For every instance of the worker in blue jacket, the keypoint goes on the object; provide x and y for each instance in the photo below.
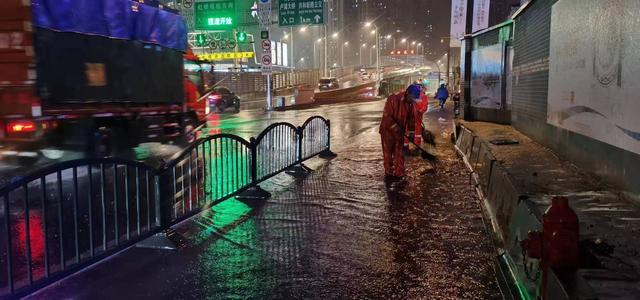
(442, 94)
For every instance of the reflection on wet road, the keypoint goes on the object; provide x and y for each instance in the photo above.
(341, 233)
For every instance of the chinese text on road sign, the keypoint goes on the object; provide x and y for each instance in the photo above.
(215, 15)
(301, 12)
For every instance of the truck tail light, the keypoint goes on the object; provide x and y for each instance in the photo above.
(21, 127)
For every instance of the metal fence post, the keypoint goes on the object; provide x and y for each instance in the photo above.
(327, 153)
(300, 132)
(255, 192)
(299, 170)
(165, 194)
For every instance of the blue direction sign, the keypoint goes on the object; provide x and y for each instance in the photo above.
(301, 12)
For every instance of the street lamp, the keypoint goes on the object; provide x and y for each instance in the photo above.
(448, 58)
(335, 36)
(370, 54)
(314, 52)
(388, 37)
(406, 53)
(342, 53)
(293, 62)
(377, 46)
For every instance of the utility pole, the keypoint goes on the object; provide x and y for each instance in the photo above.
(293, 62)
(377, 54)
(448, 63)
(325, 50)
(466, 72)
(342, 55)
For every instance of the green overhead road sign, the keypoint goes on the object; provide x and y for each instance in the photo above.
(301, 12)
(215, 15)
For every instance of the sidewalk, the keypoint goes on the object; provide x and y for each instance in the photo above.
(609, 219)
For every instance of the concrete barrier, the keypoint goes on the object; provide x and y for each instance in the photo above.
(510, 214)
(344, 93)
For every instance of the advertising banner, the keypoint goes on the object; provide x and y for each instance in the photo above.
(486, 77)
(593, 70)
(481, 14)
(458, 21)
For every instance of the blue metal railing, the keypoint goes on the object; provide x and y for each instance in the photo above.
(67, 216)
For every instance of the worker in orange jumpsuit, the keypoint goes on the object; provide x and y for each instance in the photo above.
(399, 115)
(421, 105)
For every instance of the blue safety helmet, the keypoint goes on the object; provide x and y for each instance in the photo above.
(414, 91)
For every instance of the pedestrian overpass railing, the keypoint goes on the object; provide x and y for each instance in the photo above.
(66, 216)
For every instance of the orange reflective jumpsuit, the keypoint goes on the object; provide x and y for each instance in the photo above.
(421, 108)
(398, 115)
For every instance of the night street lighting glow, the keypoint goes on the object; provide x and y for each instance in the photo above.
(368, 24)
(334, 35)
(364, 45)
(388, 36)
(404, 40)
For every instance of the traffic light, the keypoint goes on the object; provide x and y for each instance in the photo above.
(241, 36)
(201, 40)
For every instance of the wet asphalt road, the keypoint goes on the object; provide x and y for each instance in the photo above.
(341, 233)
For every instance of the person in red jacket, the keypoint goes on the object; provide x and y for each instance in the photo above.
(399, 116)
(421, 105)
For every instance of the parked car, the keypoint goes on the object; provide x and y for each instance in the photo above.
(329, 83)
(221, 99)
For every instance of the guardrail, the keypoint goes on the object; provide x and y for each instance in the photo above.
(62, 218)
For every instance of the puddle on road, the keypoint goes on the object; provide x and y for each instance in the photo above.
(341, 233)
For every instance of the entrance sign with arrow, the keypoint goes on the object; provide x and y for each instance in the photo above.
(301, 12)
